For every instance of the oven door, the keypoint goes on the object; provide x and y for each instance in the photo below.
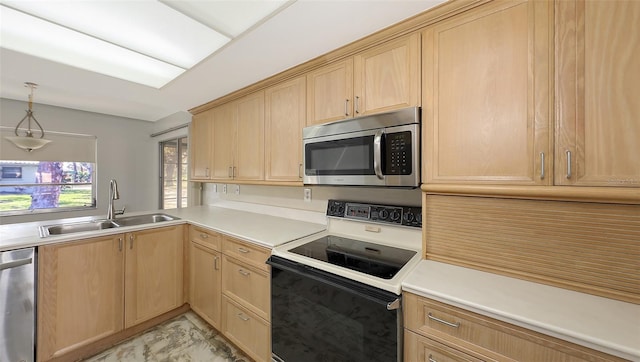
(319, 316)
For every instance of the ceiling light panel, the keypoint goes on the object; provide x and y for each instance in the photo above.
(148, 27)
(27, 34)
(231, 17)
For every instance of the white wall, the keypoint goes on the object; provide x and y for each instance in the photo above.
(293, 197)
(125, 153)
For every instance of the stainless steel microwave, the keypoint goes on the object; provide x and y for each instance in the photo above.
(376, 150)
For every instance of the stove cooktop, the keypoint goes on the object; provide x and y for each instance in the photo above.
(373, 259)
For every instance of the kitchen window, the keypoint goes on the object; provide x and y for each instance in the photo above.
(173, 173)
(58, 177)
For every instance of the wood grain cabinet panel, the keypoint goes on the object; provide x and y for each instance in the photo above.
(224, 141)
(285, 111)
(200, 150)
(154, 273)
(418, 348)
(487, 338)
(597, 93)
(246, 330)
(247, 285)
(486, 80)
(387, 76)
(205, 283)
(80, 294)
(249, 148)
(330, 93)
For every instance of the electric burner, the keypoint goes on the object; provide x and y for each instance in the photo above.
(378, 260)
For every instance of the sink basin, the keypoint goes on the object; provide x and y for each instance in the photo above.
(143, 219)
(76, 227)
(95, 225)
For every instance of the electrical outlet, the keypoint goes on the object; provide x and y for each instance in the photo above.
(224, 188)
(237, 190)
(307, 195)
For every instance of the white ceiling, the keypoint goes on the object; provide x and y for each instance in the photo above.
(299, 32)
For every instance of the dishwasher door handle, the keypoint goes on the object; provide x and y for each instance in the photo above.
(15, 263)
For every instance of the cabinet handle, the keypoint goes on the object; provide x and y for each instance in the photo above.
(356, 104)
(243, 250)
(229, 172)
(206, 172)
(431, 359)
(233, 173)
(204, 236)
(568, 164)
(245, 273)
(131, 237)
(215, 263)
(346, 107)
(119, 244)
(241, 316)
(454, 325)
(542, 165)
(300, 170)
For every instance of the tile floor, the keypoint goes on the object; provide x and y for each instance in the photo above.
(185, 338)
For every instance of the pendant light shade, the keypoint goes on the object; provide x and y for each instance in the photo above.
(27, 141)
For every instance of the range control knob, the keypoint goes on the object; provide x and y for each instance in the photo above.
(409, 216)
(384, 214)
(395, 215)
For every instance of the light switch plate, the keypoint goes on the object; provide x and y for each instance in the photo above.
(237, 190)
(307, 195)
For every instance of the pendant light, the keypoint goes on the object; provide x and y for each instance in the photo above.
(27, 141)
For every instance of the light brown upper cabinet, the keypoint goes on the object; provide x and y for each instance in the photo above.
(379, 79)
(238, 139)
(486, 105)
(597, 93)
(284, 119)
(200, 145)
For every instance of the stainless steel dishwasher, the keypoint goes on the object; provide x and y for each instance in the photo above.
(17, 305)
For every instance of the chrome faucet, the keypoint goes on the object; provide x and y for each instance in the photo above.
(113, 195)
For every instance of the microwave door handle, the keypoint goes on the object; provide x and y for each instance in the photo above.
(377, 154)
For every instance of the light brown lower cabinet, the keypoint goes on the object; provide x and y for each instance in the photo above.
(453, 334)
(95, 288)
(205, 283)
(246, 330)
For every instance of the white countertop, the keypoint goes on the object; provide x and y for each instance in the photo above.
(260, 228)
(599, 323)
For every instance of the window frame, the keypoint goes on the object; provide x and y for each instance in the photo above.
(179, 189)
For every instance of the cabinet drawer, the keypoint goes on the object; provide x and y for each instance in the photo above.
(421, 349)
(205, 237)
(246, 252)
(490, 338)
(248, 331)
(247, 285)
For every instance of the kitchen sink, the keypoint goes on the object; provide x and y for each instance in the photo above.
(143, 219)
(76, 227)
(94, 225)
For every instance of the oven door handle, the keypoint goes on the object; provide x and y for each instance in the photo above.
(388, 300)
(377, 153)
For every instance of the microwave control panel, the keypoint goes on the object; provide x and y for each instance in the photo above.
(397, 153)
(385, 214)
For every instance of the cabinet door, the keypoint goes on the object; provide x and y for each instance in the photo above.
(205, 283)
(284, 120)
(330, 93)
(153, 273)
(224, 131)
(249, 155)
(387, 77)
(486, 96)
(80, 294)
(200, 146)
(598, 93)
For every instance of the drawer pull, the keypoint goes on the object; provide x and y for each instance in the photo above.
(204, 236)
(454, 325)
(243, 250)
(431, 359)
(215, 263)
(241, 316)
(245, 273)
